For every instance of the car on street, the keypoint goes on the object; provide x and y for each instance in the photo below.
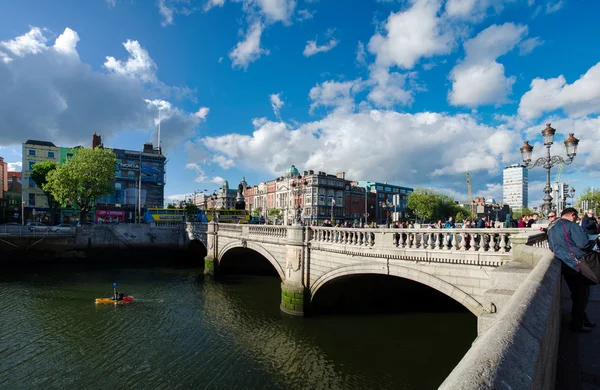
(11, 224)
(37, 227)
(61, 228)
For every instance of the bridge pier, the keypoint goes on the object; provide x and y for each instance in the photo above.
(293, 291)
(211, 261)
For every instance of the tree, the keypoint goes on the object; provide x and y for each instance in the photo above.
(588, 200)
(171, 206)
(40, 174)
(276, 213)
(423, 203)
(519, 213)
(191, 210)
(255, 212)
(87, 176)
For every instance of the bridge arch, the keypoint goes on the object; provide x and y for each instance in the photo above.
(257, 248)
(197, 248)
(402, 272)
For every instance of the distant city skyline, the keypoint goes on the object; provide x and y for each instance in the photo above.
(415, 93)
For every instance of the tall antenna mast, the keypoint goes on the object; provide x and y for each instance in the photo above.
(159, 150)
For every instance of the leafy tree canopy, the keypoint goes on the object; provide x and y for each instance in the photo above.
(429, 205)
(40, 174)
(589, 199)
(87, 176)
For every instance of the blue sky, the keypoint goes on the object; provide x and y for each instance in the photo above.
(414, 92)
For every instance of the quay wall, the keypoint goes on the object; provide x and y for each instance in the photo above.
(519, 350)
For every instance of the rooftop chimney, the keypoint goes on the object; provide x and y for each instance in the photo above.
(97, 141)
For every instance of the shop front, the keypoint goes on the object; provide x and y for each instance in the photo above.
(109, 216)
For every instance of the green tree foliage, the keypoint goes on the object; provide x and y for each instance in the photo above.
(40, 174)
(191, 210)
(423, 203)
(87, 176)
(429, 205)
(171, 206)
(255, 212)
(589, 200)
(275, 213)
(517, 214)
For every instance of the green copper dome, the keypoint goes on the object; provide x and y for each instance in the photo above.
(292, 170)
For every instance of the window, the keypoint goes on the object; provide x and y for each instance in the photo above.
(50, 154)
(69, 156)
(32, 199)
(31, 164)
(31, 152)
(32, 183)
(118, 186)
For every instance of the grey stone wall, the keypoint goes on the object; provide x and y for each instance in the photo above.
(519, 350)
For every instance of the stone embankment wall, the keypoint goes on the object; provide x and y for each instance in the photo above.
(519, 349)
(129, 236)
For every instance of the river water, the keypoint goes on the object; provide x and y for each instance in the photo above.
(187, 331)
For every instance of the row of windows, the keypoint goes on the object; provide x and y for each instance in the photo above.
(49, 154)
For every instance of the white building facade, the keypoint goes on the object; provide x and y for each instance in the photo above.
(515, 186)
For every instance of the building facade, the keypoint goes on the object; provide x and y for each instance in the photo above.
(36, 202)
(515, 185)
(129, 191)
(322, 196)
(3, 177)
(390, 201)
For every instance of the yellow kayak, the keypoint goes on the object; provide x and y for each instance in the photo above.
(110, 301)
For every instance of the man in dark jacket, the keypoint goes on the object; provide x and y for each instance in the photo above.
(589, 223)
(569, 242)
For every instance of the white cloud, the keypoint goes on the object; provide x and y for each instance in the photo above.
(248, 50)
(554, 7)
(312, 48)
(473, 10)
(304, 14)
(411, 35)
(577, 99)
(15, 166)
(389, 88)
(67, 42)
(217, 180)
(333, 94)
(33, 42)
(401, 147)
(361, 54)
(201, 178)
(276, 103)
(212, 4)
(528, 45)
(479, 79)
(277, 10)
(138, 64)
(202, 112)
(49, 94)
(223, 162)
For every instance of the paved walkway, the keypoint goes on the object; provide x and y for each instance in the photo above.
(579, 353)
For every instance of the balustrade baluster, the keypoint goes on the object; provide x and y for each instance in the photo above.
(503, 242)
(455, 236)
(463, 241)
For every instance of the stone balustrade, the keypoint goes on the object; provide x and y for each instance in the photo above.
(267, 230)
(464, 240)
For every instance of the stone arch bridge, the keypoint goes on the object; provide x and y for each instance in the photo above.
(475, 267)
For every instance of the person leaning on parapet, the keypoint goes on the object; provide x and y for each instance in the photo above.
(569, 242)
(590, 224)
(552, 218)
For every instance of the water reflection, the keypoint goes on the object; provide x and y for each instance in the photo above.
(187, 331)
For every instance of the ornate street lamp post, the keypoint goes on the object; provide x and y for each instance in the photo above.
(299, 188)
(549, 161)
